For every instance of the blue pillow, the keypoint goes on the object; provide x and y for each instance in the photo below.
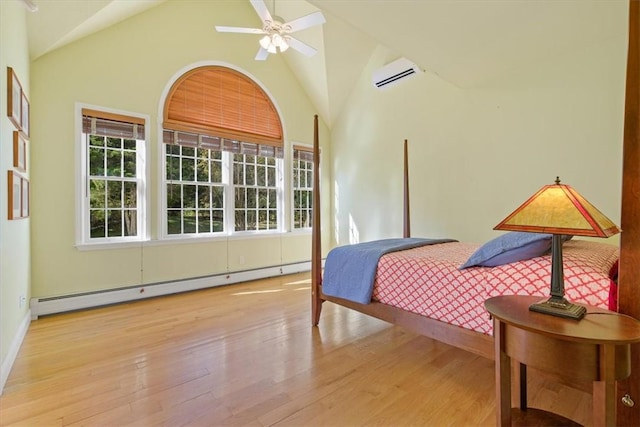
(509, 247)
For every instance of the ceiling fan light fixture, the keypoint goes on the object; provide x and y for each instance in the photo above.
(276, 39)
(274, 33)
(265, 42)
(284, 45)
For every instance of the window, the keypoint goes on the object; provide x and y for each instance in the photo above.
(113, 185)
(216, 185)
(194, 190)
(223, 155)
(302, 187)
(256, 192)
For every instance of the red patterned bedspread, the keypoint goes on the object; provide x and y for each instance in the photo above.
(426, 280)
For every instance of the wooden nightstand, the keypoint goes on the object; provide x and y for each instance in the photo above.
(596, 348)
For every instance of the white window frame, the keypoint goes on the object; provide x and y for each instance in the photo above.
(279, 166)
(83, 238)
(163, 189)
(229, 204)
(292, 208)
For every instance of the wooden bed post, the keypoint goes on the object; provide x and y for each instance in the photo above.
(316, 235)
(629, 269)
(406, 220)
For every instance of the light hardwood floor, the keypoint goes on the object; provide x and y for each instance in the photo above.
(246, 355)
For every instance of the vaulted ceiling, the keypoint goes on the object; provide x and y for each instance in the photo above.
(466, 43)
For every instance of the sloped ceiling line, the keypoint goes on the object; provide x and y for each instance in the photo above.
(464, 43)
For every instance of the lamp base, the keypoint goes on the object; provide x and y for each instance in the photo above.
(559, 307)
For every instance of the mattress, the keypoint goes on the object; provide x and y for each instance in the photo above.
(427, 281)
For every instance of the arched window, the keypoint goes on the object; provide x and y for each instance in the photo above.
(223, 155)
(222, 102)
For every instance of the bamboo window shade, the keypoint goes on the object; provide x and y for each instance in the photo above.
(112, 124)
(303, 153)
(222, 102)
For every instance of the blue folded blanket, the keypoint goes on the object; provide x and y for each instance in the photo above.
(350, 270)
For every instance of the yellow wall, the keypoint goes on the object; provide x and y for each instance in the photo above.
(14, 235)
(477, 153)
(128, 67)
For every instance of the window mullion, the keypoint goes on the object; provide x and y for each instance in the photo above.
(228, 189)
(141, 202)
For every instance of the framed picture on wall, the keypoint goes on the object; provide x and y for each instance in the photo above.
(25, 198)
(19, 151)
(15, 195)
(25, 111)
(14, 98)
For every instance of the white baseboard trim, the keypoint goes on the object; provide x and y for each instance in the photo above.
(8, 361)
(51, 305)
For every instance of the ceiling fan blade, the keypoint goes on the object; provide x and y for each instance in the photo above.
(304, 22)
(262, 54)
(223, 29)
(300, 46)
(261, 10)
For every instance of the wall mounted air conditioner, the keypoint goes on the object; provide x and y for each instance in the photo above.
(394, 71)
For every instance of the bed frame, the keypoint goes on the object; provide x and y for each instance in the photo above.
(629, 267)
(450, 334)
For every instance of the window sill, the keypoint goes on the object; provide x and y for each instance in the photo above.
(110, 245)
(181, 240)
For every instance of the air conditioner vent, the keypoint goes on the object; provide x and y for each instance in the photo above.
(394, 72)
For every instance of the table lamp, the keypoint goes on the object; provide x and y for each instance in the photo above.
(559, 210)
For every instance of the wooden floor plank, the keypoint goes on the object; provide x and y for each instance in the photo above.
(246, 355)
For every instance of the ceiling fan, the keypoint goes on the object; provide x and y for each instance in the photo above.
(277, 33)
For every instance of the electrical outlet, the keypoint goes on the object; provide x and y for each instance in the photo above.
(22, 301)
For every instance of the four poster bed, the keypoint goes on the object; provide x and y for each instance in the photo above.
(473, 331)
(437, 287)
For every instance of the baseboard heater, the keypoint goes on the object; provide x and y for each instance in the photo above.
(60, 304)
